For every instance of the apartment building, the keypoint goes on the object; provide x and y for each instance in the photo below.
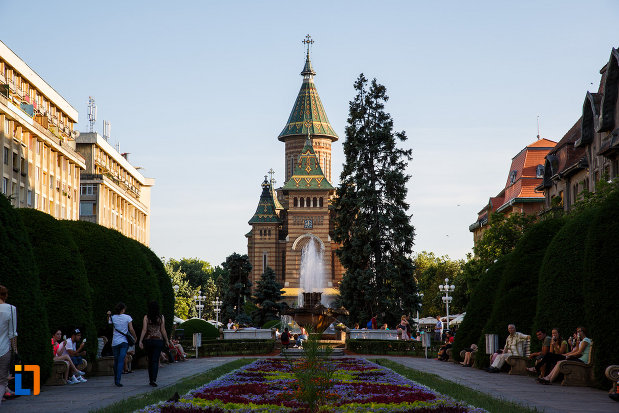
(113, 193)
(39, 167)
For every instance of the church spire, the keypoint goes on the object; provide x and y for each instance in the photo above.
(266, 211)
(307, 171)
(308, 115)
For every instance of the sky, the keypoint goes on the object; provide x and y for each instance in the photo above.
(198, 91)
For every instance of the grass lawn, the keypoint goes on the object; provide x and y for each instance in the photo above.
(455, 390)
(182, 387)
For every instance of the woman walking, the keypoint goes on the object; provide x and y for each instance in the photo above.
(153, 337)
(123, 327)
(8, 337)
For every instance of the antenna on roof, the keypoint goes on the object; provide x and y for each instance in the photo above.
(107, 130)
(537, 127)
(92, 113)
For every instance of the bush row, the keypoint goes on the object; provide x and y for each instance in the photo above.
(562, 273)
(67, 274)
(230, 347)
(408, 347)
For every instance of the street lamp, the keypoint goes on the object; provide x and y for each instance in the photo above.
(199, 306)
(216, 304)
(420, 298)
(176, 287)
(447, 299)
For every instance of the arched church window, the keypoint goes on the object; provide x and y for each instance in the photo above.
(296, 203)
(307, 201)
(269, 233)
(320, 202)
(314, 202)
(302, 202)
(260, 232)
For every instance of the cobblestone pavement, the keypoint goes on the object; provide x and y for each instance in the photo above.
(100, 391)
(519, 389)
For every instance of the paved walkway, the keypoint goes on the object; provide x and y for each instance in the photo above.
(100, 391)
(519, 389)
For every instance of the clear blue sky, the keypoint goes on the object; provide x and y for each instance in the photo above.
(198, 91)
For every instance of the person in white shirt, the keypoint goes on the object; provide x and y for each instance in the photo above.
(72, 375)
(230, 324)
(122, 325)
(8, 337)
(514, 346)
(77, 353)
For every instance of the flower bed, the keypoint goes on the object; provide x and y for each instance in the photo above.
(269, 385)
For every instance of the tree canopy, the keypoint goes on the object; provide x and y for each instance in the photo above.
(268, 296)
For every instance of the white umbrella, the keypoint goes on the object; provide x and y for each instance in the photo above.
(457, 319)
(427, 321)
(178, 320)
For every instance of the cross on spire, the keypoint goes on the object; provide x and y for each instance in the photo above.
(272, 172)
(308, 41)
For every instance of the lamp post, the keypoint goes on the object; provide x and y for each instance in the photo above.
(216, 304)
(199, 306)
(420, 297)
(446, 288)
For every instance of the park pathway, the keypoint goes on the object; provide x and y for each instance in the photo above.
(100, 391)
(519, 389)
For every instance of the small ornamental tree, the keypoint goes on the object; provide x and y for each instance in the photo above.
(64, 283)
(184, 306)
(238, 290)
(19, 273)
(268, 295)
(372, 222)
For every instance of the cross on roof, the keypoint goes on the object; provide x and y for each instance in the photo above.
(307, 41)
(271, 172)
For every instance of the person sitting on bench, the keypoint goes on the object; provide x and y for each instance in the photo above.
(513, 347)
(580, 354)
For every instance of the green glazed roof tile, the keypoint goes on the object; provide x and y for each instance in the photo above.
(307, 171)
(308, 116)
(266, 212)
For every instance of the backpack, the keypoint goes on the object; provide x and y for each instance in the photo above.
(369, 325)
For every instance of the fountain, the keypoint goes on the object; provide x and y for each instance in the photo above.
(312, 312)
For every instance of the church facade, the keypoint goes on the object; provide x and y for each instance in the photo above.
(299, 212)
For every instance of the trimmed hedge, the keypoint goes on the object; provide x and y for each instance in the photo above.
(601, 285)
(197, 325)
(560, 298)
(19, 273)
(117, 271)
(383, 347)
(165, 285)
(516, 298)
(64, 283)
(235, 347)
(480, 305)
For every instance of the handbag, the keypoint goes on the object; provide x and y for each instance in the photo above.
(15, 358)
(129, 337)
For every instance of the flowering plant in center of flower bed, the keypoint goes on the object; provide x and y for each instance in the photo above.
(269, 385)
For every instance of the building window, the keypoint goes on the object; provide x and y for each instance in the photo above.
(269, 233)
(264, 261)
(302, 202)
(29, 198)
(5, 185)
(88, 189)
(539, 173)
(308, 202)
(315, 202)
(87, 209)
(6, 155)
(295, 203)
(512, 176)
(320, 202)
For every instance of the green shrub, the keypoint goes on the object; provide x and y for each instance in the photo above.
(117, 271)
(273, 324)
(480, 305)
(19, 273)
(601, 285)
(560, 298)
(165, 286)
(235, 347)
(516, 297)
(197, 325)
(408, 347)
(64, 284)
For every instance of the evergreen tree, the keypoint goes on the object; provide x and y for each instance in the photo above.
(238, 288)
(268, 294)
(210, 292)
(371, 220)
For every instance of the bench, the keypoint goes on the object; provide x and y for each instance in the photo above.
(612, 372)
(576, 373)
(59, 369)
(519, 363)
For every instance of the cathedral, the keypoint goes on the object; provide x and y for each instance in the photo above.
(299, 212)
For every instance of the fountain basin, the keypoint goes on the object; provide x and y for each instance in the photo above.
(314, 316)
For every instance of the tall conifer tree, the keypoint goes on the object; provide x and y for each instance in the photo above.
(371, 220)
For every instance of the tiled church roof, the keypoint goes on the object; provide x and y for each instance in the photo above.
(308, 116)
(307, 171)
(265, 213)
